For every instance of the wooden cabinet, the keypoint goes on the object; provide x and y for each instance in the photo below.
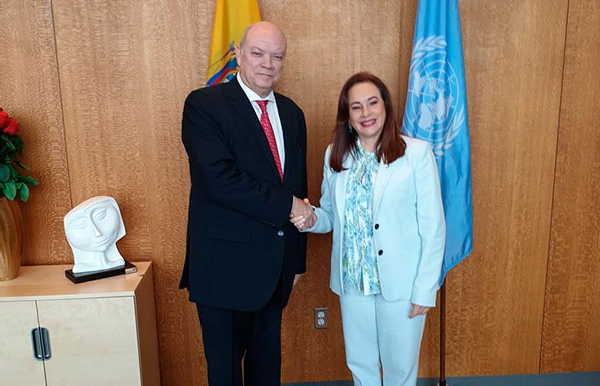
(99, 333)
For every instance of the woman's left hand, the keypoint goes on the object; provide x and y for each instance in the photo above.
(416, 310)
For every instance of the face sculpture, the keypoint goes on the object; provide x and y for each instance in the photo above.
(92, 229)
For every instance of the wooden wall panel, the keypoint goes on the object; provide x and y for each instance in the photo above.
(571, 337)
(513, 54)
(125, 70)
(327, 42)
(30, 92)
(99, 86)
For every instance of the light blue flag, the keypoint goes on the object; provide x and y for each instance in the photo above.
(436, 111)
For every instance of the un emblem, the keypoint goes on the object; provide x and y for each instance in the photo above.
(435, 109)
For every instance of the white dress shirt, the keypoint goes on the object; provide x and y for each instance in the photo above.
(273, 116)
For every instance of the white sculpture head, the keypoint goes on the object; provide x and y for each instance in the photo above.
(92, 229)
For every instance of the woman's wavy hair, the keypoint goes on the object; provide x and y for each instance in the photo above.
(390, 145)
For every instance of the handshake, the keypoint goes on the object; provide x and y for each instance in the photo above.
(302, 215)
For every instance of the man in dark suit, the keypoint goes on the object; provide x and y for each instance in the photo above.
(247, 157)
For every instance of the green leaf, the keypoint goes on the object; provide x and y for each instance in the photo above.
(17, 141)
(10, 190)
(10, 146)
(24, 192)
(29, 180)
(13, 172)
(22, 165)
(4, 173)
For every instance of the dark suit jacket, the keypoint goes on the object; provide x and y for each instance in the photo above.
(239, 239)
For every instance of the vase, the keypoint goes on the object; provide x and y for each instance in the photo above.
(11, 239)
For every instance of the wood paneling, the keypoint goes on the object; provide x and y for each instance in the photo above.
(327, 43)
(571, 338)
(30, 92)
(513, 58)
(125, 70)
(99, 85)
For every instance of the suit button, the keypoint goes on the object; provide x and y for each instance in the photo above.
(376, 226)
(380, 252)
(280, 233)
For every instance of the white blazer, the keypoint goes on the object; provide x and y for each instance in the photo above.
(408, 219)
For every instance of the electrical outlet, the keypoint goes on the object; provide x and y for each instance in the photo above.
(321, 317)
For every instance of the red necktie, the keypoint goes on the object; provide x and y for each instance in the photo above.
(268, 130)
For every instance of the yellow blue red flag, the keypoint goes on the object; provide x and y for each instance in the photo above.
(231, 19)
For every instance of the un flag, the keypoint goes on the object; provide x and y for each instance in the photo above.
(436, 111)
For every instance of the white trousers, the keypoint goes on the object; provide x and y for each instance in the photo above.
(378, 335)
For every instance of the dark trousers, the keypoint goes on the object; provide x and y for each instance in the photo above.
(253, 337)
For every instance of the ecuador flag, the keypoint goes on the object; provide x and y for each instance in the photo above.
(231, 19)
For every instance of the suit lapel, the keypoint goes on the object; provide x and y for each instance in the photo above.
(340, 188)
(382, 178)
(246, 112)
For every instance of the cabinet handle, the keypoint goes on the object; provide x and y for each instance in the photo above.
(46, 351)
(36, 341)
(40, 339)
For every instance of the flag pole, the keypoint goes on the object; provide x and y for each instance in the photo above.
(443, 335)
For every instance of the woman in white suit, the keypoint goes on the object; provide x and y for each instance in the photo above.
(381, 197)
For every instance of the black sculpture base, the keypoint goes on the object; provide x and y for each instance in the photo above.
(82, 277)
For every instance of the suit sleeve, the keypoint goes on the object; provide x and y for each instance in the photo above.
(303, 145)
(300, 264)
(431, 227)
(325, 212)
(224, 182)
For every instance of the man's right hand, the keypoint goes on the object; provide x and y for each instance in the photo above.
(302, 215)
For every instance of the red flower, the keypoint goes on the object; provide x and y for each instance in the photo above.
(12, 128)
(4, 119)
